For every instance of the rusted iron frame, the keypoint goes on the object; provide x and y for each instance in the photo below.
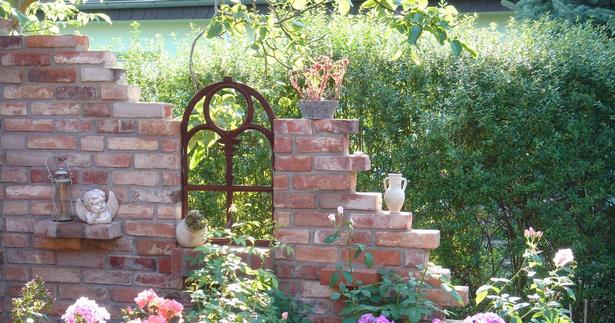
(229, 138)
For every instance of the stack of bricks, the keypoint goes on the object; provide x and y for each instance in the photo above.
(314, 174)
(58, 97)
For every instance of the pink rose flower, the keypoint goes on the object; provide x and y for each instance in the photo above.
(145, 297)
(170, 308)
(562, 257)
(285, 316)
(155, 319)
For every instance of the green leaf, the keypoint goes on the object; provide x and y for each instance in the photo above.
(298, 4)
(343, 6)
(335, 278)
(469, 49)
(414, 34)
(456, 47)
(335, 296)
(369, 260)
(481, 296)
(331, 238)
(348, 277)
(214, 29)
(369, 4)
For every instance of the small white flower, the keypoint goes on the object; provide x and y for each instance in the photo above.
(332, 217)
(562, 257)
(340, 210)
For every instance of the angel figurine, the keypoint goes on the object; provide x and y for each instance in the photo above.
(94, 209)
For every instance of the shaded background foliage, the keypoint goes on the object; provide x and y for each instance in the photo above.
(523, 135)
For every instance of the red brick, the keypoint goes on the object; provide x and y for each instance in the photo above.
(280, 182)
(150, 229)
(57, 41)
(23, 158)
(155, 247)
(141, 110)
(169, 212)
(312, 218)
(57, 274)
(443, 298)
(12, 75)
(293, 235)
(15, 273)
(322, 145)
(20, 256)
(135, 177)
(28, 92)
(16, 240)
(156, 196)
(294, 200)
(124, 244)
(124, 143)
(91, 292)
(421, 239)
(12, 109)
(383, 221)
(342, 163)
(119, 92)
(292, 126)
(96, 110)
(11, 42)
(133, 211)
(124, 294)
(15, 207)
(158, 280)
(90, 57)
(94, 177)
(166, 161)
(112, 159)
(52, 142)
(413, 257)
(41, 207)
(169, 145)
(80, 259)
(92, 143)
(337, 126)
(325, 182)
(282, 145)
(76, 92)
(164, 265)
(13, 175)
(171, 179)
(293, 163)
(24, 59)
(110, 277)
(281, 219)
(115, 126)
(54, 108)
(28, 192)
(72, 125)
(133, 263)
(14, 224)
(366, 276)
(316, 254)
(62, 244)
(364, 237)
(39, 176)
(52, 75)
(381, 257)
(159, 127)
(352, 201)
(314, 289)
(12, 141)
(101, 74)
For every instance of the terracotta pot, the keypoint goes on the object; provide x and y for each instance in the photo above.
(188, 238)
(324, 109)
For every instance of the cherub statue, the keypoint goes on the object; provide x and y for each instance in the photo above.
(94, 209)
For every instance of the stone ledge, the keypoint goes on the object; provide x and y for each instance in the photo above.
(75, 229)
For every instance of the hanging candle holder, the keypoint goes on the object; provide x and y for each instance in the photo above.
(61, 190)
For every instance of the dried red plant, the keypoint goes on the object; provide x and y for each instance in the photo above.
(321, 81)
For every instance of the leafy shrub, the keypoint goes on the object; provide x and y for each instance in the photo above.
(523, 135)
(33, 304)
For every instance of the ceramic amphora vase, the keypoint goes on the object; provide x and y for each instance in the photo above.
(394, 196)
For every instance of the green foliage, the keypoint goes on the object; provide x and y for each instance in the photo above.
(598, 11)
(48, 17)
(545, 292)
(522, 135)
(224, 288)
(33, 304)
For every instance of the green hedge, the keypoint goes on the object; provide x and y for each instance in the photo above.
(523, 135)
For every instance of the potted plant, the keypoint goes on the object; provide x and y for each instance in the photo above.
(319, 87)
(190, 231)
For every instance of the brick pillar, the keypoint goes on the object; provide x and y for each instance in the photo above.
(58, 97)
(314, 174)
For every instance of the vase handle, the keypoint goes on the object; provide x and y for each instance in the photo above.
(385, 183)
(404, 183)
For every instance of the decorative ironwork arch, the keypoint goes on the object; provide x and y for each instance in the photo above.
(228, 138)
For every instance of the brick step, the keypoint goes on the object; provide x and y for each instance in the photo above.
(416, 238)
(310, 127)
(355, 162)
(443, 298)
(102, 58)
(142, 110)
(77, 229)
(351, 201)
(104, 74)
(57, 41)
(367, 220)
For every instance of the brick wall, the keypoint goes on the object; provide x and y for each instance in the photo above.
(58, 97)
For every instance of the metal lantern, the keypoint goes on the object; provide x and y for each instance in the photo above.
(61, 190)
